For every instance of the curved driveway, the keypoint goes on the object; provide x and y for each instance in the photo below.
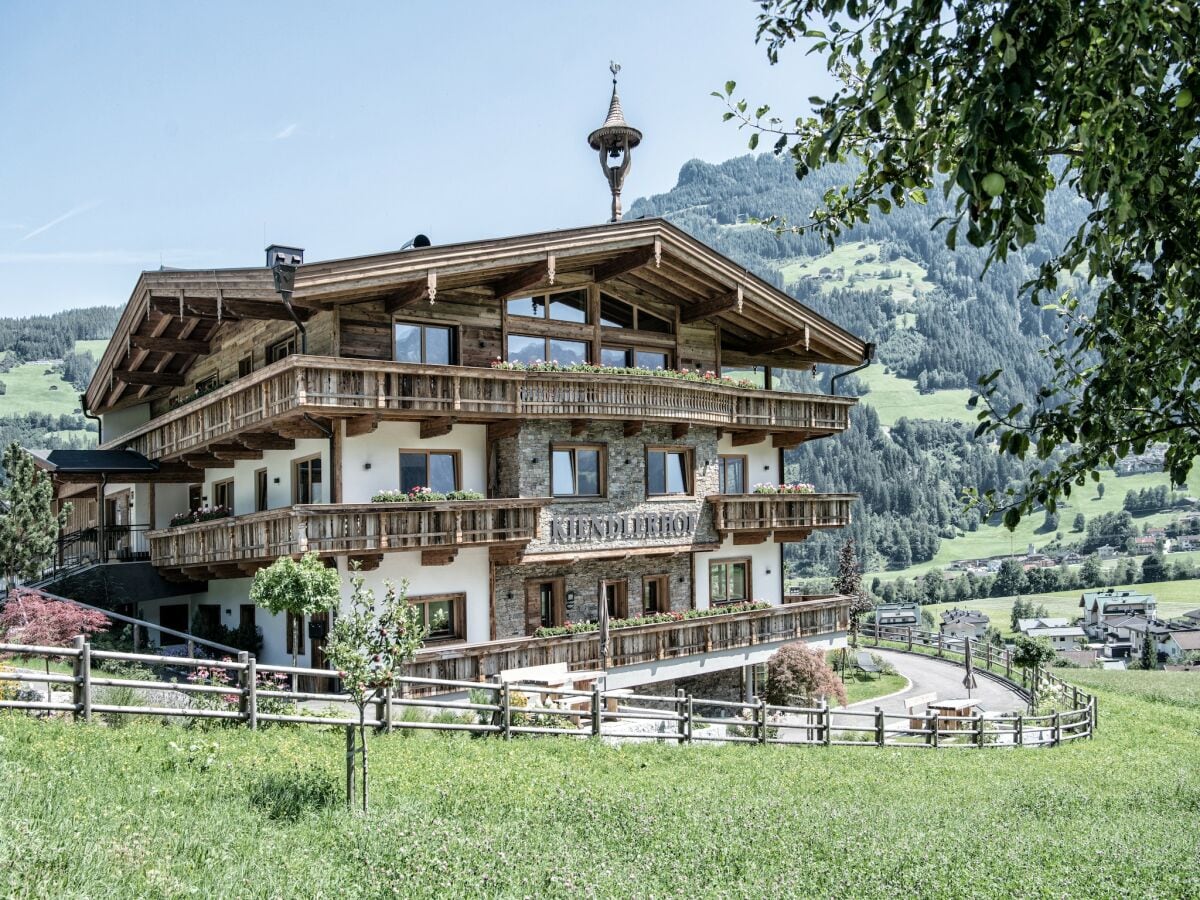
(935, 676)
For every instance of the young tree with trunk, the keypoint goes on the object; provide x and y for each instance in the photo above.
(303, 588)
(29, 528)
(997, 103)
(369, 646)
(849, 584)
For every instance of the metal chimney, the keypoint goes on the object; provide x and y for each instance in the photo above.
(289, 256)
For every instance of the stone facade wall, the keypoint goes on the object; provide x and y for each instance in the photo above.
(583, 578)
(725, 685)
(626, 517)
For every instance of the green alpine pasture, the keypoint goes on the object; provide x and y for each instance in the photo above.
(157, 811)
(28, 388)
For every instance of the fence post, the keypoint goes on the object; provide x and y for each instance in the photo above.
(681, 711)
(506, 720)
(1007, 664)
(77, 687)
(987, 649)
(979, 729)
(597, 709)
(941, 644)
(931, 729)
(909, 630)
(387, 709)
(826, 721)
(1095, 717)
(1019, 732)
(1057, 730)
(252, 692)
(880, 733)
(85, 665)
(243, 659)
(690, 712)
(936, 729)
(762, 721)
(350, 751)
(875, 632)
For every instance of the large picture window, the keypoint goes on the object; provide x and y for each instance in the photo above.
(428, 344)
(634, 357)
(527, 348)
(565, 306)
(616, 313)
(728, 581)
(668, 471)
(577, 471)
(732, 475)
(437, 470)
(306, 480)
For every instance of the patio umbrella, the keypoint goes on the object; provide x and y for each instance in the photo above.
(603, 631)
(969, 678)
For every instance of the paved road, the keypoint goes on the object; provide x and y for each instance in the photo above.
(935, 676)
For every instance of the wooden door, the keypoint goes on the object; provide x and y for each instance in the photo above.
(545, 602)
(317, 648)
(616, 595)
(656, 594)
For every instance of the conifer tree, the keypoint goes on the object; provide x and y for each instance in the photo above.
(28, 524)
(849, 584)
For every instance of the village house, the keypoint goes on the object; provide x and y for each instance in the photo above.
(1059, 632)
(526, 430)
(964, 623)
(1103, 607)
(898, 615)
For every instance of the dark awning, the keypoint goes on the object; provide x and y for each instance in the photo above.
(93, 462)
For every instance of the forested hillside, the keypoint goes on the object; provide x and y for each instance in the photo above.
(45, 362)
(938, 325)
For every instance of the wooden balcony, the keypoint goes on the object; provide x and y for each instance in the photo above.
(753, 518)
(368, 390)
(641, 644)
(240, 545)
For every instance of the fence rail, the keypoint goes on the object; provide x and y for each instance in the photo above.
(508, 709)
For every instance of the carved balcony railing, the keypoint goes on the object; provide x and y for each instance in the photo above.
(751, 518)
(367, 529)
(345, 388)
(640, 644)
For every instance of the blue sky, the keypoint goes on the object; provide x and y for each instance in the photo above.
(133, 134)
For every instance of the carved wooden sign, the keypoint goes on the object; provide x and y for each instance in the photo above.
(601, 528)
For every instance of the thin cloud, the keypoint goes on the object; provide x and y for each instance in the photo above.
(285, 133)
(70, 214)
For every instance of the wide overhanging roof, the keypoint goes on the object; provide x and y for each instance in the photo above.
(174, 316)
(93, 462)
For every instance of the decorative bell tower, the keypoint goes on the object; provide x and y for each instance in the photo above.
(614, 140)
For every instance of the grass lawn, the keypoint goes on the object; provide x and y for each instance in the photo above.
(1174, 599)
(860, 687)
(28, 389)
(96, 348)
(894, 398)
(853, 261)
(156, 811)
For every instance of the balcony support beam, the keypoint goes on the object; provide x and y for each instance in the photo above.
(791, 536)
(680, 430)
(431, 428)
(633, 427)
(367, 562)
(360, 425)
(442, 556)
(694, 312)
(745, 438)
(788, 439)
(750, 537)
(206, 461)
(234, 451)
(154, 379)
(260, 441)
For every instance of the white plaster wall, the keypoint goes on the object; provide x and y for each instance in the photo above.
(122, 421)
(765, 562)
(762, 460)
(278, 464)
(381, 448)
(469, 574)
(169, 499)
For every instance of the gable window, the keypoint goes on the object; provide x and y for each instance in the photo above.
(728, 581)
(527, 348)
(306, 480)
(668, 471)
(280, 349)
(634, 357)
(616, 313)
(223, 493)
(732, 475)
(204, 385)
(260, 490)
(577, 471)
(431, 345)
(566, 306)
(443, 614)
(245, 366)
(437, 470)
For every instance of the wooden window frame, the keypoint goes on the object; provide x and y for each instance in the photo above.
(664, 579)
(622, 604)
(224, 485)
(730, 561)
(271, 356)
(689, 470)
(721, 457)
(246, 365)
(456, 454)
(545, 316)
(452, 327)
(458, 615)
(635, 349)
(638, 309)
(559, 602)
(573, 446)
(261, 490)
(296, 464)
(208, 383)
(547, 338)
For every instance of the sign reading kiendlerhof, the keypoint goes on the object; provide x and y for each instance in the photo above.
(620, 527)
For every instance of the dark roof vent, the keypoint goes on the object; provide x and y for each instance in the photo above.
(419, 241)
(289, 256)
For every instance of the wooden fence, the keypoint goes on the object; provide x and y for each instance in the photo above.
(251, 694)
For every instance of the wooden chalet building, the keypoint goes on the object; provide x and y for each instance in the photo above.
(630, 485)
